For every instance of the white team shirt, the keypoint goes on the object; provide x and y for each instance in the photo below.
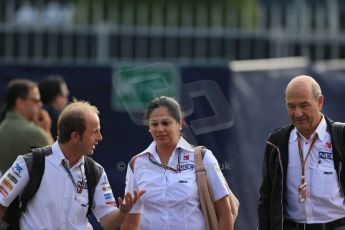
(325, 201)
(171, 200)
(56, 204)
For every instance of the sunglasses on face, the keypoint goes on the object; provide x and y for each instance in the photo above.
(34, 100)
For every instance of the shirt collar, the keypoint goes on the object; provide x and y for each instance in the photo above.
(14, 115)
(320, 130)
(182, 143)
(59, 156)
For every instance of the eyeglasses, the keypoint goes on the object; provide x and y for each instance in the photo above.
(34, 100)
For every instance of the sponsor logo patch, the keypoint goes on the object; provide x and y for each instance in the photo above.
(108, 196)
(12, 178)
(111, 203)
(17, 170)
(8, 184)
(326, 155)
(106, 188)
(3, 191)
(187, 166)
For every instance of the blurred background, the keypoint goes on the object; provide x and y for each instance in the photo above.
(227, 61)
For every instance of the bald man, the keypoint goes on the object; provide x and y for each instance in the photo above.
(303, 184)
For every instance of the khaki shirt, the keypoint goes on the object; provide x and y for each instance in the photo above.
(17, 136)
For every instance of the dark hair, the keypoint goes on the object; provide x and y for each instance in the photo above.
(170, 103)
(17, 88)
(72, 119)
(50, 87)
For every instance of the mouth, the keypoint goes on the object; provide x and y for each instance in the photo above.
(300, 120)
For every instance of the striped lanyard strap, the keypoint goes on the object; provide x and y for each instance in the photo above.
(300, 151)
(166, 167)
(82, 184)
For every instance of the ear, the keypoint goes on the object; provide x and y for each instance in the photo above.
(320, 102)
(19, 102)
(75, 136)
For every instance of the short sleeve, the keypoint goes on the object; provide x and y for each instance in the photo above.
(103, 199)
(215, 176)
(13, 181)
(132, 186)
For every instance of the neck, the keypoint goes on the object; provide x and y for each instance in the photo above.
(18, 111)
(70, 155)
(164, 153)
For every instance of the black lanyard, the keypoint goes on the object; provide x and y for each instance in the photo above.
(166, 167)
(79, 188)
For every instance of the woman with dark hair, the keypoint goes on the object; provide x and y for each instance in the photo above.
(166, 170)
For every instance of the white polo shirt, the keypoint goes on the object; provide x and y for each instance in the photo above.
(325, 201)
(56, 204)
(171, 200)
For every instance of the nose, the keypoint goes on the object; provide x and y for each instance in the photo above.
(160, 127)
(100, 137)
(298, 112)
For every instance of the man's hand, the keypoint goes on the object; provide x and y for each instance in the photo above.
(114, 219)
(43, 120)
(129, 201)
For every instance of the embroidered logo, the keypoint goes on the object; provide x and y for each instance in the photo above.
(8, 184)
(326, 155)
(3, 191)
(12, 178)
(328, 145)
(17, 170)
(108, 196)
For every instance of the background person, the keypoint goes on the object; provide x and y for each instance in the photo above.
(54, 95)
(303, 181)
(166, 170)
(25, 124)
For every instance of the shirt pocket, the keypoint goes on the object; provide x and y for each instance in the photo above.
(324, 182)
(81, 206)
(185, 186)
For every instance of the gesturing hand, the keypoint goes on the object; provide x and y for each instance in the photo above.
(129, 201)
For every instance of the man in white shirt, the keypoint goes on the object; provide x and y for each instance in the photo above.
(303, 181)
(61, 202)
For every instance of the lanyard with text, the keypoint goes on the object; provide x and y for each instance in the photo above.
(166, 167)
(302, 188)
(81, 186)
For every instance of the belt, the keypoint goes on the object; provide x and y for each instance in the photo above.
(317, 226)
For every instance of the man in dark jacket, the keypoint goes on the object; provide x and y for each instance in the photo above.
(303, 180)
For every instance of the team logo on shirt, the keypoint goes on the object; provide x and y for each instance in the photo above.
(12, 178)
(186, 157)
(328, 145)
(17, 170)
(3, 191)
(7, 184)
